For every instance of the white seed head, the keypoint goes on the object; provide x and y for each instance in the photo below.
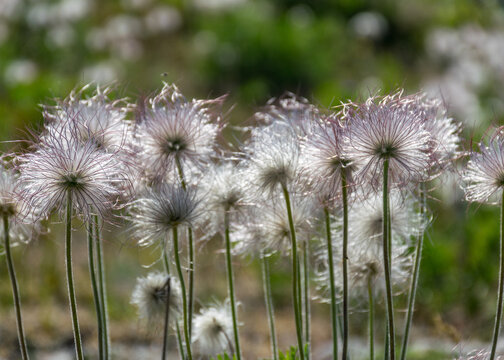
(155, 213)
(213, 330)
(484, 176)
(61, 164)
(151, 295)
(387, 130)
(176, 130)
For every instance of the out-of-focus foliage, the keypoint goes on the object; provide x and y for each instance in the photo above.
(325, 50)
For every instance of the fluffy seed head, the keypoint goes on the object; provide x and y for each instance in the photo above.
(151, 294)
(484, 175)
(176, 130)
(213, 330)
(160, 209)
(323, 158)
(61, 164)
(381, 130)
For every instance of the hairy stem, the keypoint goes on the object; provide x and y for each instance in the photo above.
(344, 354)
(414, 278)
(15, 290)
(184, 293)
(330, 259)
(96, 294)
(70, 279)
(386, 260)
(166, 319)
(231, 287)
(498, 316)
(371, 319)
(297, 315)
(166, 263)
(269, 304)
(102, 286)
(306, 297)
(190, 309)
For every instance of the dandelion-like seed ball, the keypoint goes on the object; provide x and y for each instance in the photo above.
(160, 209)
(213, 330)
(151, 295)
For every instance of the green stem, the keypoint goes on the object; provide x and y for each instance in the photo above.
(166, 262)
(184, 293)
(414, 278)
(231, 287)
(269, 304)
(498, 316)
(386, 260)
(15, 290)
(371, 320)
(344, 355)
(96, 294)
(102, 286)
(306, 295)
(70, 279)
(297, 315)
(166, 320)
(330, 259)
(183, 183)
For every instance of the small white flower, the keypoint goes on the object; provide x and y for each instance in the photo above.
(150, 296)
(213, 331)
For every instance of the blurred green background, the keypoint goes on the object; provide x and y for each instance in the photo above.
(327, 51)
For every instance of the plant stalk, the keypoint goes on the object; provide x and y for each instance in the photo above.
(414, 278)
(330, 259)
(498, 316)
(15, 290)
(306, 298)
(344, 194)
(297, 315)
(166, 320)
(269, 304)
(184, 293)
(96, 294)
(102, 286)
(70, 279)
(231, 287)
(371, 319)
(386, 260)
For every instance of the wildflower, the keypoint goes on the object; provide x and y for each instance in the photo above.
(151, 295)
(387, 130)
(175, 133)
(272, 159)
(95, 119)
(61, 164)
(224, 196)
(160, 209)
(23, 226)
(484, 175)
(213, 330)
(323, 158)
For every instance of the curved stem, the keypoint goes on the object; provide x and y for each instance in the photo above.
(269, 304)
(414, 278)
(70, 279)
(15, 290)
(306, 298)
(331, 283)
(96, 294)
(231, 287)
(184, 294)
(167, 319)
(371, 319)
(297, 315)
(102, 286)
(498, 316)
(344, 355)
(386, 260)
